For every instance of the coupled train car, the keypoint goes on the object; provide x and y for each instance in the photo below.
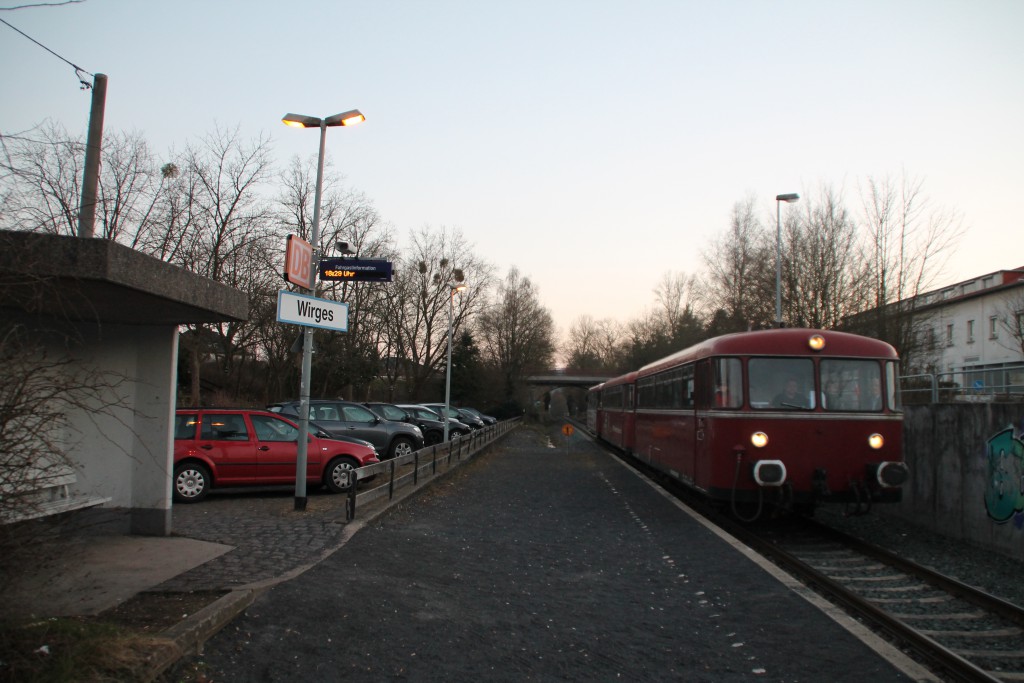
(781, 417)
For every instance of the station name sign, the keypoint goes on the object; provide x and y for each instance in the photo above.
(299, 309)
(355, 270)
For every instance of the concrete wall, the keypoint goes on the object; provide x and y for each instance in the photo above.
(122, 450)
(966, 473)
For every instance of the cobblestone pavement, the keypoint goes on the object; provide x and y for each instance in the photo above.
(269, 536)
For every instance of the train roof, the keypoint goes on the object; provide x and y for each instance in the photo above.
(789, 341)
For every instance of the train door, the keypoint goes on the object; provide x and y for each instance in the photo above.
(719, 411)
(688, 421)
(705, 400)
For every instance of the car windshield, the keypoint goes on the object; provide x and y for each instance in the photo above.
(393, 413)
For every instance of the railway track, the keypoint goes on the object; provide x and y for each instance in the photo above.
(959, 632)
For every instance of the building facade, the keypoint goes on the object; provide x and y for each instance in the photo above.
(973, 333)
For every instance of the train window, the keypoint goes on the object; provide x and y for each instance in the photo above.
(728, 383)
(668, 389)
(891, 373)
(786, 383)
(686, 386)
(853, 385)
(645, 392)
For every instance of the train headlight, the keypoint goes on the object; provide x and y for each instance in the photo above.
(876, 441)
(816, 342)
(759, 439)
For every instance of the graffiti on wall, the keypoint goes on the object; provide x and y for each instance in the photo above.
(1004, 488)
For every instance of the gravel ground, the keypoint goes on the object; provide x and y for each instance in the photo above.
(986, 569)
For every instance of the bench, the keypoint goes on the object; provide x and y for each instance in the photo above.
(42, 492)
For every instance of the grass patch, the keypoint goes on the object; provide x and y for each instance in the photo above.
(62, 650)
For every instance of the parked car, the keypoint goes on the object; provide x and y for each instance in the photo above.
(488, 420)
(216, 447)
(432, 427)
(468, 418)
(455, 427)
(346, 418)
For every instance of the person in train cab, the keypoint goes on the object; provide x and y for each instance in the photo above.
(830, 399)
(790, 396)
(722, 396)
(874, 398)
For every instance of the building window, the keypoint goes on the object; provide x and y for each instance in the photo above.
(949, 334)
(970, 331)
(993, 327)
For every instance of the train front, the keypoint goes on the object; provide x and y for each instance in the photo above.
(815, 419)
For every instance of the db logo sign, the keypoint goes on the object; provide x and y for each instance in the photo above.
(298, 262)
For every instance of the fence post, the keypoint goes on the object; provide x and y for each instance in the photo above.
(391, 481)
(350, 499)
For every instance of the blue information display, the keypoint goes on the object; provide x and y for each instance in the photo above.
(356, 270)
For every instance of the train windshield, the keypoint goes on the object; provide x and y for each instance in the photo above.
(853, 385)
(782, 383)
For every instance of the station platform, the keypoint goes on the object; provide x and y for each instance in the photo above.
(545, 558)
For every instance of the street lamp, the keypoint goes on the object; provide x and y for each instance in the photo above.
(453, 289)
(789, 199)
(348, 118)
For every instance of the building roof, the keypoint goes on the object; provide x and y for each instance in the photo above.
(982, 285)
(100, 280)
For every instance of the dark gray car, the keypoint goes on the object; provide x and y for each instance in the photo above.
(432, 427)
(466, 417)
(345, 418)
(455, 428)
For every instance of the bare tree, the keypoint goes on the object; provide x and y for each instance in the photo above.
(739, 267)
(516, 332)
(1010, 314)
(583, 349)
(822, 271)
(42, 179)
(907, 242)
(417, 314)
(225, 230)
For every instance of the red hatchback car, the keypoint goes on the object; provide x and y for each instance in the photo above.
(239, 447)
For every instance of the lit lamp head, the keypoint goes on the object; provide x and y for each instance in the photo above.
(348, 118)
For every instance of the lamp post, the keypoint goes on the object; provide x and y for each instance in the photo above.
(348, 118)
(789, 199)
(453, 289)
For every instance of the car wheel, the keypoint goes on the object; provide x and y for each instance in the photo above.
(339, 473)
(401, 446)
(431, 438)
(192, 482)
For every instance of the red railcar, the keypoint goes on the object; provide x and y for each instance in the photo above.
(616, 411)
(788, 416)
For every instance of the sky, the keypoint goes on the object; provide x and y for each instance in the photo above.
(594, 145)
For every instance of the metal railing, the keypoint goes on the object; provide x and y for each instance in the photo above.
(980, 384)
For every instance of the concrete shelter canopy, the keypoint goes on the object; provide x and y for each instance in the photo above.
(100, 280)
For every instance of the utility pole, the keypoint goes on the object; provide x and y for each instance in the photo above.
(93, 149)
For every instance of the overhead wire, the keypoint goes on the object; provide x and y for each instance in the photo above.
(79, 71)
